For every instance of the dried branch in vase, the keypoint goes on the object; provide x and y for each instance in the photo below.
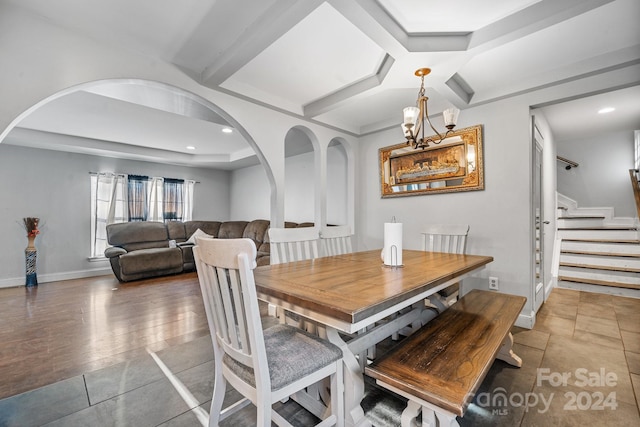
(31, 225)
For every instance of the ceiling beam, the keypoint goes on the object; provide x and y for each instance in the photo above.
(335, 99)
(531, 19)
(269, 27)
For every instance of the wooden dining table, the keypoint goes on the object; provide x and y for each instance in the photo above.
(356, 295)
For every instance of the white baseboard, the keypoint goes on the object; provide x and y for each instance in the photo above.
(549, 287)
(526, 320)
(55, 277)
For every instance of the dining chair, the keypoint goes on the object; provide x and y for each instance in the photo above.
(289, 245)
(293, 244)
(335, 240)
(445, 238)
(265, 366)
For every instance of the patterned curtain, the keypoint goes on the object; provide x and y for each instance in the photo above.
(138, 205)
(173, 199)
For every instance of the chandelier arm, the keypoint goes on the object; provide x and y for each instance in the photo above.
(426, 114)
(411, 136)
(415, 132)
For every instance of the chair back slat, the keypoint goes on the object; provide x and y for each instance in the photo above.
(230, 298)
(293, 244)
(445, 238)
(336, 240)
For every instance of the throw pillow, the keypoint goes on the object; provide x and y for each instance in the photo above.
(197, 233)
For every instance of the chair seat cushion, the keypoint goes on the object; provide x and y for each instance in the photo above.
(291, 354)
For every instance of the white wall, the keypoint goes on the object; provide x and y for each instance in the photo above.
(499, 216)
(252, 194)
(602, 179)
(299, 190)
(250, 190)
(54, 186)
(337, 185)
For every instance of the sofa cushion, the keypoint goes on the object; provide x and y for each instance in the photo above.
(146, 245)
(124, 233)
(209, 227)
(156, 259)
(256, 231)
(232, 229)
(177, 231)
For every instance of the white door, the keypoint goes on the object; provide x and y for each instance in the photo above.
(538, 223)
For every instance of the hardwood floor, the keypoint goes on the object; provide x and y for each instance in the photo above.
(61, 329)
(72, 336)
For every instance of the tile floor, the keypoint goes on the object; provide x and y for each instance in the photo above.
(581, 366)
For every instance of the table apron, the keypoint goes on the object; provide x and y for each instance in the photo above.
(370, 337)
(352, 328)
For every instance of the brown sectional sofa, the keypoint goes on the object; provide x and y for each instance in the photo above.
(142, 249)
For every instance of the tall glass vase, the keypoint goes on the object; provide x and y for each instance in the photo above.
(30, 256)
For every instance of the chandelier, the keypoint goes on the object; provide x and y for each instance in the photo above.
(414, 119)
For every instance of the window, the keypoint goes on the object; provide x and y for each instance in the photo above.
(138, 198)
(173, 199)
(122, 198)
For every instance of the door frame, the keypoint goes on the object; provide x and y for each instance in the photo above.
(538, 292)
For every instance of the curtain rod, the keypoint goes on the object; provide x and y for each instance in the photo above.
(164, 177)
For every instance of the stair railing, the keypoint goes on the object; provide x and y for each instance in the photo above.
(635, 183)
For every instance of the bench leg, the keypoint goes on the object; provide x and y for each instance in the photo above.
(410, 415)
(446, 420)
(430, 418)
(506, 352)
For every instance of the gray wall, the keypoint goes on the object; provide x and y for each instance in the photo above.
(602, 179)
(252, 188)
(55, 186)
(499, 216)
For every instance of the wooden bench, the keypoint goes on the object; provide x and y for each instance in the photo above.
(440, 367)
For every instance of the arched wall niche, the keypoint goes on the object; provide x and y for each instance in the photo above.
(302, 180)
(339, 184)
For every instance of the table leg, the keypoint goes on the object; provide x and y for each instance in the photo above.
(353, 383)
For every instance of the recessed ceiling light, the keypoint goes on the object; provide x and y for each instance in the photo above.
(227, 130)
(190, 147)
(606, 110)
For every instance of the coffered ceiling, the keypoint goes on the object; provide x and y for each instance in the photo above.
(345, 63)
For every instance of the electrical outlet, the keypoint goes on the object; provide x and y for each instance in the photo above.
(493, 283)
